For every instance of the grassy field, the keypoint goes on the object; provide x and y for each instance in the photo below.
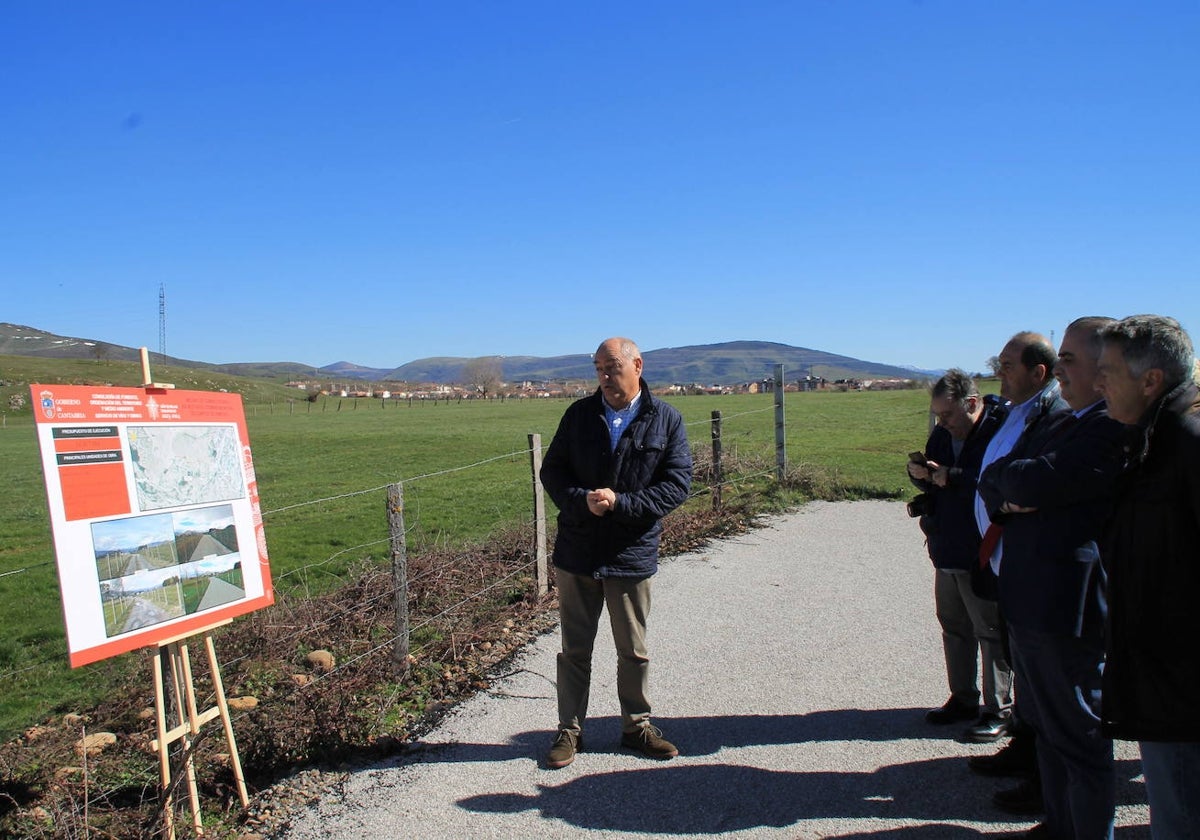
(465, 470)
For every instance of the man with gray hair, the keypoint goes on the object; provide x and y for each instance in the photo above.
(946, 473)
(1151, 550)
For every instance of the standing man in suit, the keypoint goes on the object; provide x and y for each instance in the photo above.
(1152, 552)
(1052, 494)
(1026, 374)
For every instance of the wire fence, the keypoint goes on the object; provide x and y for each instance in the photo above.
(296, 581)
(297, 578)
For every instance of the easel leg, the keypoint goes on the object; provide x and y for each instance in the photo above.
(161, 666)
(174, 664)
(185, 693)
(235, 762)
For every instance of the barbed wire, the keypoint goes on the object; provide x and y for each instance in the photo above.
(410, 527)
(398, 481)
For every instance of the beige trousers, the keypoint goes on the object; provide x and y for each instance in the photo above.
(580, 601)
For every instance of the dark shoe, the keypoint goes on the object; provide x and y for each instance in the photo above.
(1025, 798)
(562, 751)
(648, 740)
(990, 727)
(1016, 758)
(952, 711)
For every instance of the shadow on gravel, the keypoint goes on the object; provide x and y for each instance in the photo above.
(699, 799)
(711, 799)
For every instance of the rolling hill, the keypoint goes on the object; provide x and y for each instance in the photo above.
(706, 364)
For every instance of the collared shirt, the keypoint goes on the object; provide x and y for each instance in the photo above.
(1084, 411)
(999, 446)
(618, 419)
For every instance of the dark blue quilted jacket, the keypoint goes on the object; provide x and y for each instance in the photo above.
(650, 470)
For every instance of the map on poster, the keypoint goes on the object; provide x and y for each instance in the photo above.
(154, 507)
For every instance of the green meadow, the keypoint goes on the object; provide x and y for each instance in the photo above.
(323, 469)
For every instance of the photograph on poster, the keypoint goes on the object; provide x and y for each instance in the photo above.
(155, 568)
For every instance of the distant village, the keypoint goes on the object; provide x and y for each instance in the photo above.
(574, 389)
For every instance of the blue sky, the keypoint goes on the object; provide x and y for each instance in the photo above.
(905, 182)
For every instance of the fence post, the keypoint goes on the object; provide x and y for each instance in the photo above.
(539, 514)
(716, 456)
(395, 511)
(780, 447)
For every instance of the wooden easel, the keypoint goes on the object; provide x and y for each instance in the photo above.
(173, 666)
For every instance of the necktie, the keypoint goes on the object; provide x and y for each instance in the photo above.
(991, 538)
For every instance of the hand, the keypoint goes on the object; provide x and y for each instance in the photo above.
(1009, 507)
(939, 475)
(601, 502)
(918, 471)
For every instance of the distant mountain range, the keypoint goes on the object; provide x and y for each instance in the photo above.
(705, 364)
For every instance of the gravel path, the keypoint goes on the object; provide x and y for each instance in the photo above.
(791, 665)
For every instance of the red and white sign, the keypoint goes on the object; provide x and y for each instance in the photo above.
(155, 513)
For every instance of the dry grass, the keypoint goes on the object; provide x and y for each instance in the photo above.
(469, 610)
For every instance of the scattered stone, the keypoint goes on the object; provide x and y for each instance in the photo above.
(95, 743)
(243, 704)
(33, 733)
(321, 661)
(302, 679)
(63, 774)
(40, 814)
(72, 720)
(146, 714)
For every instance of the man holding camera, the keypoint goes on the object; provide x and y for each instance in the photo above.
(946, 473)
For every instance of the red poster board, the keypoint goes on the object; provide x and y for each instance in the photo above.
(155, 512)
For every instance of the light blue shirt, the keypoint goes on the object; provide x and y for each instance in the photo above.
(618, 421)
(999, 446)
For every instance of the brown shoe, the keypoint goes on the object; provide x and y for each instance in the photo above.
(648, 740)
(562, 751)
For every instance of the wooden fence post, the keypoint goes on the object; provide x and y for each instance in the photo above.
(395, 512)
(716, 456)
(539, 514)
(780, 446)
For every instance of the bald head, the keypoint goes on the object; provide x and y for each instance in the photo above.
(1026, 363)
(619, 370)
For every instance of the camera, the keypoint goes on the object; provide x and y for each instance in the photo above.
(921, 505)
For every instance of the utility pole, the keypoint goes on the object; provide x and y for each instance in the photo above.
(162, 323)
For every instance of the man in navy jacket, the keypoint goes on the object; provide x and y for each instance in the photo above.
(947, 473)
(618, 463)
(1052, 494)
